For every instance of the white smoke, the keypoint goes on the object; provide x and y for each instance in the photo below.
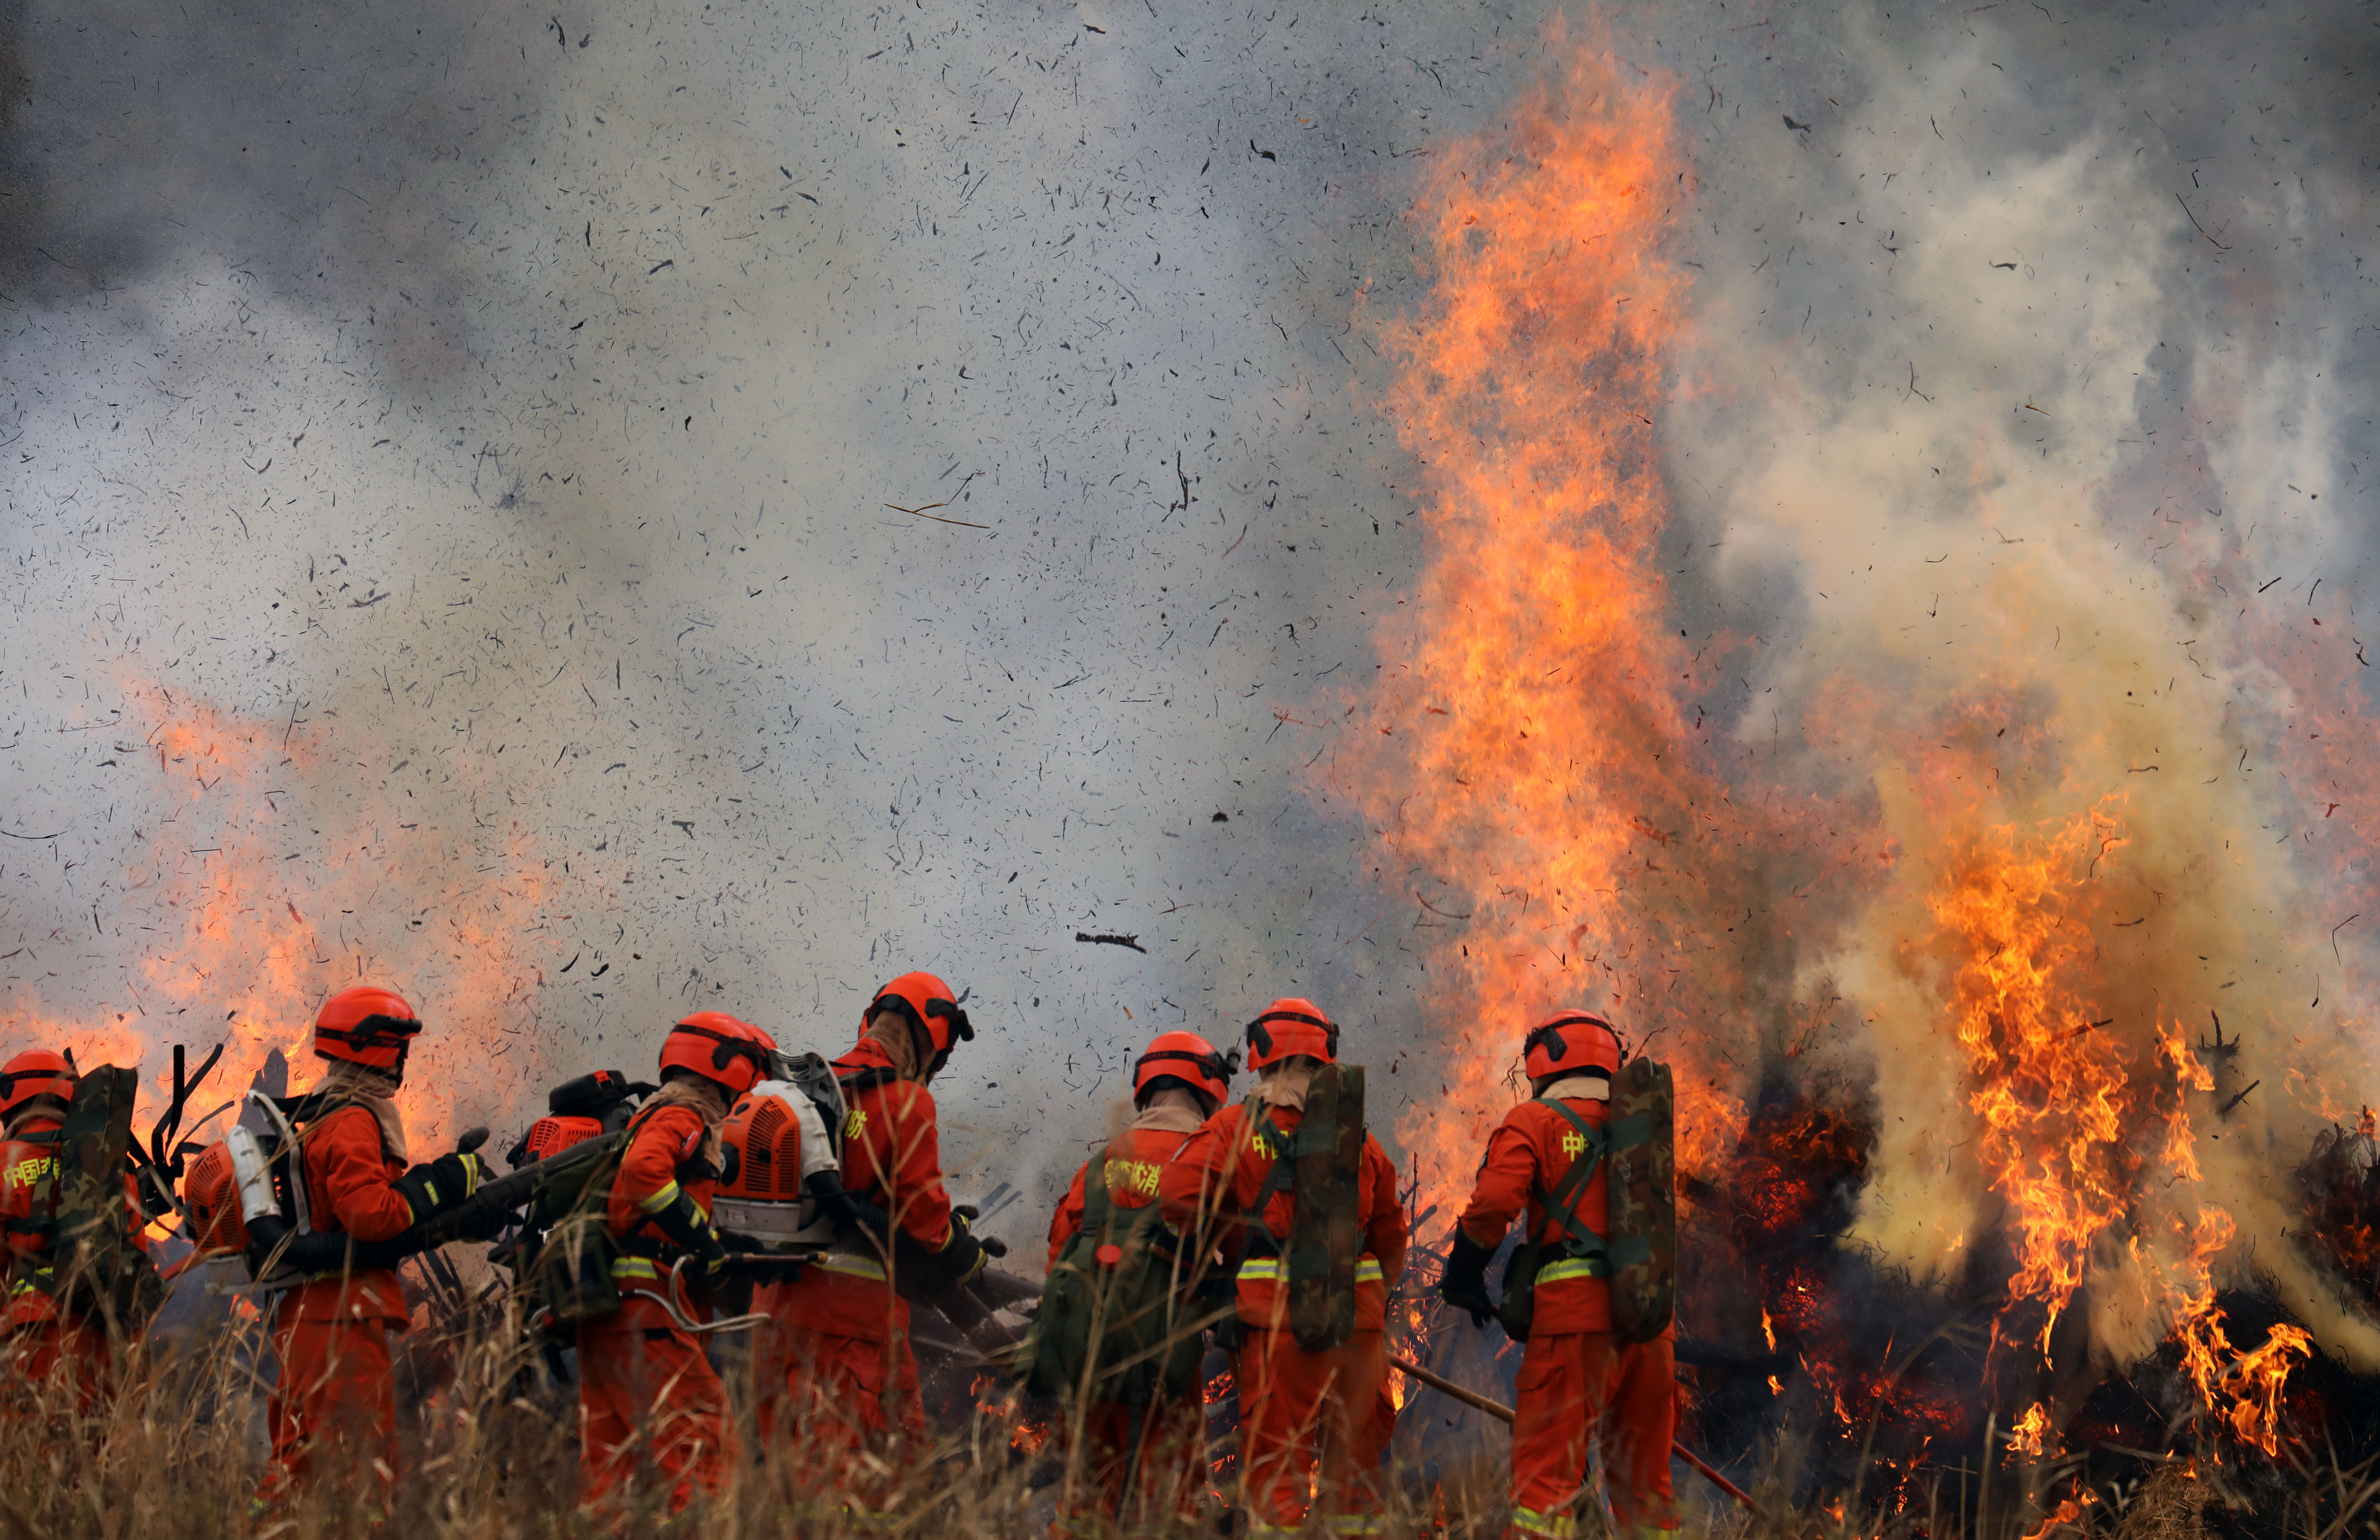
(1961, 383)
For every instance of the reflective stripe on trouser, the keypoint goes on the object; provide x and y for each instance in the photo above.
(1577, 1384)
(649, 1399)
(1325, 1413)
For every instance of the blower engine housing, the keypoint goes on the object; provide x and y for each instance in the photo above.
(780, 1135)
(210, 1187)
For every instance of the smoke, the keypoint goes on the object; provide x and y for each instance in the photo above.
(584, 516)
(2023, 365)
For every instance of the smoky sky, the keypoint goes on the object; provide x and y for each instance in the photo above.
(524, 409)
(281, 137)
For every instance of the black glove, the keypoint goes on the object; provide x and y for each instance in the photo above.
(1464, 1285)
(441, 1185)
(964, 1217)
(691, 1228)
(962, 1256)
(485, 1226)
(853, 1216)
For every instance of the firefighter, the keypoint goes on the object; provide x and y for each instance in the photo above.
(1176, 1085)
(646, 1392)
(841, 1347)
(1316, 1421)
(1577, 1378)
(44, 1333)
(336, 1394)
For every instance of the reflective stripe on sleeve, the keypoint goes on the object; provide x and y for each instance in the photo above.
(1267, 1269)
(661, 1199)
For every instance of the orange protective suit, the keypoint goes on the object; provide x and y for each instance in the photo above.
(335, 1394)
(1162, 1447)
(1319, 1417)
(1577, 1380)
(647, 1394)
(842, 1336)
(43, 1335)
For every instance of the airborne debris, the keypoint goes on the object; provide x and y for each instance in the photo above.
(1111, 941)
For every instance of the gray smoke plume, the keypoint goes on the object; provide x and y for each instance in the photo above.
(587, 516)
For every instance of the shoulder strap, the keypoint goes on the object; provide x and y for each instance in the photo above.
(41, 1204)
(1279, 1177)
(1562, 1202)
(1095, 1194)
(865, 1079)
(599, 1172)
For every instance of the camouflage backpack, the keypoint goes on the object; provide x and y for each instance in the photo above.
(96, 1265)
(1317, 1164)
(1115, 1322)
(1638, 1251)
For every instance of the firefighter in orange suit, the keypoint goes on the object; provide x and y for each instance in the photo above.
(1577, 1378)
(35, 1087)
(841, 1339)
(647, 1393)
(333, 1408)
(1176, 1085)
(1322, 1417)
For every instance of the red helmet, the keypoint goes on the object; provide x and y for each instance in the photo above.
(1186, 1059)
(1573, 1042)
(367, 1026)
(35, 1072)
(718, 1047)
(929, 1006)
(1290, 1026)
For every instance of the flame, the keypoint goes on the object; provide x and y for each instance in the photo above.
(1533, 752)
(2251, 1383)
(2052, 1093)
(2067, 1513)
(1003, 1402)
(2026, 1435)
(236, 915)
(1769, 1328)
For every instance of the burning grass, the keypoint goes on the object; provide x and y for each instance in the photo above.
(175, 1451)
